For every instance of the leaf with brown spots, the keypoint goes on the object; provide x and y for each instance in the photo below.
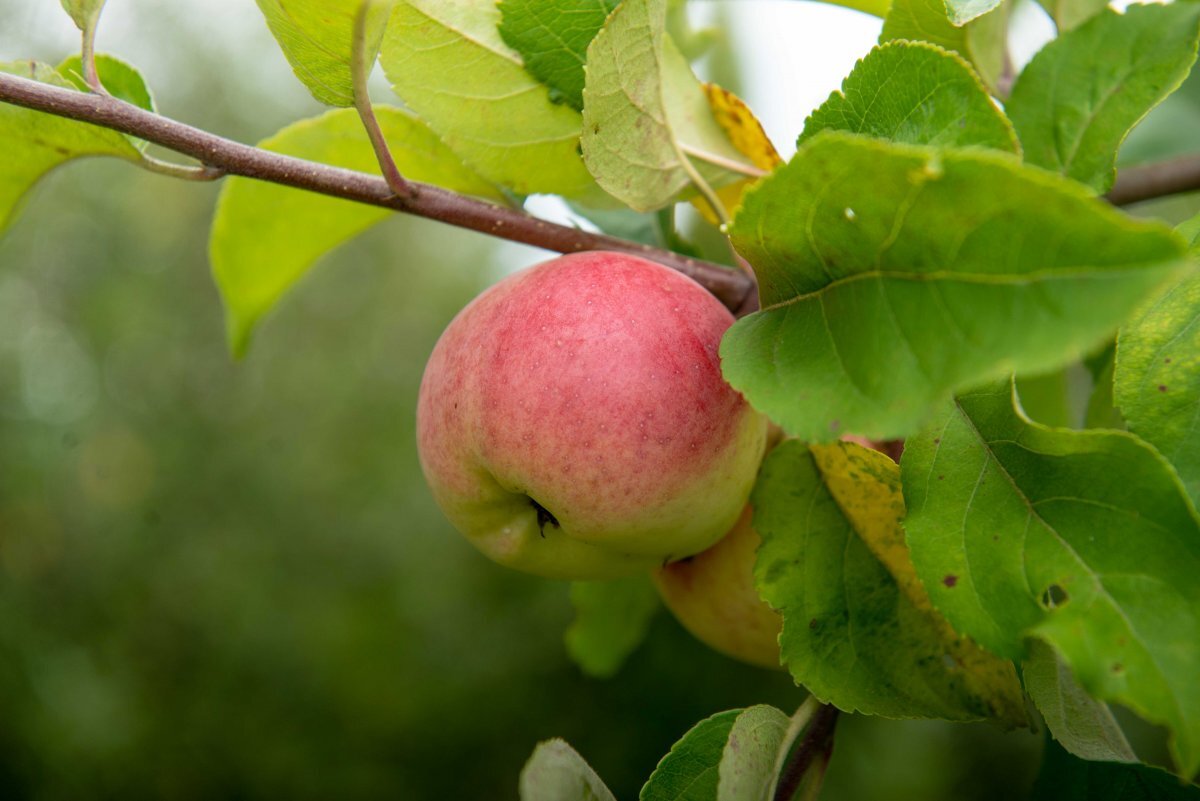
(1085, 540)
(1157, 377)
(859, 630)
(745, 133)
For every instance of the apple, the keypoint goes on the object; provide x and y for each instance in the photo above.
(573, 421)
(712, 595)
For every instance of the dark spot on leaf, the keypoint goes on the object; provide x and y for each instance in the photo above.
(950, 580)
(1167, 360)
(834, 425)
(596, 128)
(940, 478)
(1162, 387)
(1054, 596)
(812, 624)
(1117, 668)
(937, 440)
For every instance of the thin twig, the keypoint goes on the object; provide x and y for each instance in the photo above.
(186, 172)
(1148, 181)
(360, 70)
(729, 286)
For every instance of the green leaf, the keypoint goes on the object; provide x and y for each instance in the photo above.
(1101, 408)
(1068, 14)
(690, 772)
(877, 8)
(1083, 539)
(1046, 398)
(611, 618)
(963, 11)
(1083, 725)
(552, 38)
(83, 12)
(36, 143)
(1158, 378)
(122, 80)
(1067, 778)
(949, 268)
(265, 237)
(1080, 96)
(556, 772)
(1190, 231)
(747, 769)
(916, 93)
(449, 64)
(982, 41)
(648, 129)
(317, 37)
(858, 629)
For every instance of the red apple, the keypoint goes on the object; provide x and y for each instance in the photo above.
(573, 421)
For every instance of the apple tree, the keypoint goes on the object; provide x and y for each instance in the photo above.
(938, 530)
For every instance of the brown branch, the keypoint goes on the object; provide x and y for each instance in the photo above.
(1148, 181)
(729, 286)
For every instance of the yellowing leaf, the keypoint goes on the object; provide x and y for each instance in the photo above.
(865, 484)
(742, 127)
(745, 133)
(859, 630)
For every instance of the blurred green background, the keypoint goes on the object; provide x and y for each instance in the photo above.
(227, 580)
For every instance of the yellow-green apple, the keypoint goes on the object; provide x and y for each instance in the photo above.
(712, 594)
(573, 421)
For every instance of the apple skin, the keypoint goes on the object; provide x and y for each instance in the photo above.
(573, 421)
(712, 595)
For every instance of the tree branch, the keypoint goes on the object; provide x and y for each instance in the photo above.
(729, 286)
(1149, 181)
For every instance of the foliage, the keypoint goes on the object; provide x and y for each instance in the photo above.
(931, 265)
